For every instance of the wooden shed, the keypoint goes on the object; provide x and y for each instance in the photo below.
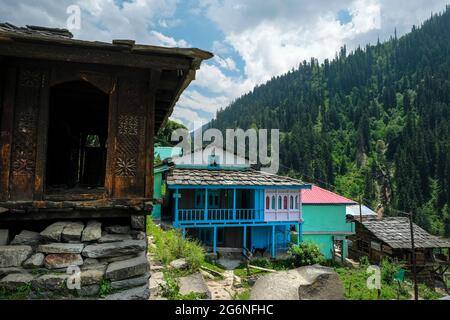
(77, 121)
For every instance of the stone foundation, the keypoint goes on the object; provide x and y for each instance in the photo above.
(76, 260)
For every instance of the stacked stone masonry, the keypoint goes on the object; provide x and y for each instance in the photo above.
(76, 260)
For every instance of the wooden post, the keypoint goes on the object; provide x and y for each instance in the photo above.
(215, 240)
(411, 226)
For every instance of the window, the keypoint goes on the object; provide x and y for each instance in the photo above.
(291, 203)
(296, 202)
(279, 202)
(273, 202)
(267, 203)
(285, 204)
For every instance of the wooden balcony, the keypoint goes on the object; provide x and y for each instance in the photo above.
(219, 215)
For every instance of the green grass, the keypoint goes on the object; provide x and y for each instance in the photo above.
(170, 246)
(20, 293)
(244, 295)
(213, 266)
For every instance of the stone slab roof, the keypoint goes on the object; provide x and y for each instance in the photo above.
(395, 231)
(221, 177)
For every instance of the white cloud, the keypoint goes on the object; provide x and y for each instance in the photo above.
(226, 63)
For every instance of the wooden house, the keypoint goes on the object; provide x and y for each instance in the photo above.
(77, 121)
(231, 207)
(391, 237)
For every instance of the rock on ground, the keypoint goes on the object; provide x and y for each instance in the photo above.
(53, 232)
(180, 264)
(93, 275)
(61, 248)
(72, 231)
(92, 232)
(15, 280)
(115, 249)
(9, 270)
(310, 282)
(114, 238)
(4, 237)
(116, 229)
(26, 237)
(62, 260)
(14, 256)
(35, 261)
(89, 290)
(127, 268)
(139, 293)
(130, 283)
(194, 283)
(155, 283)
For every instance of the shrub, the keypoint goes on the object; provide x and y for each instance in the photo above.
(389, 269)
(307, 253)
(170, 246)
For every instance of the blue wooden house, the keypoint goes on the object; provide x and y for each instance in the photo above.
(232, 206)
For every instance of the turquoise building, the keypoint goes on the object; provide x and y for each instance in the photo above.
(159, 186)
(325, 223)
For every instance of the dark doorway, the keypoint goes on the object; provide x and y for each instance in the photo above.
(77, 136)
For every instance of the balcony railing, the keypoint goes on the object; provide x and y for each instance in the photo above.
(219, 215)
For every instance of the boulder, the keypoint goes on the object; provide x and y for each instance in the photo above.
(62, 260)
(323, 284)
(114, 249)
(53, 232)
(130, 283)
(14, 256)
(92, 232)
(116, 229)
(59, 247)
(35, 261)
(114, 238)
(139, 293)
(72, 231)
(15, 280)
(194, 283)
(127, 268)
(305, 283)
(138, 222)
(180, 264)
(26, 237)
(50, 282)
(4, 237)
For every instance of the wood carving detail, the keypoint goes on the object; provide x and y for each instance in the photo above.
(125, 167)
(30, 78)
(128, 125)
(23, 153)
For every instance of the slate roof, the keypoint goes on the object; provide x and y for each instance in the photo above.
(395, 231)
(36, 31)
(221, 177)
(318, 195)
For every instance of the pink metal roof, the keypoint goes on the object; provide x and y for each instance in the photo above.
(317, 195)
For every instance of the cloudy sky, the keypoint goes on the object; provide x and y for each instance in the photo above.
(252, 40)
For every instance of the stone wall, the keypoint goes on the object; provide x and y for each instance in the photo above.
(76, 260)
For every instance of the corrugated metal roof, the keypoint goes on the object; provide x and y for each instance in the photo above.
(318, 195)
(353, 210)
(222, 177)
(395, 231)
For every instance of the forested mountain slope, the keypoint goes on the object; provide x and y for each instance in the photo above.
(372, 123)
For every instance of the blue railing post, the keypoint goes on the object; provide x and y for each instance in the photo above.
(206, 204)
(273, 241)
(234, 204)
(215, 240)
(176, 196)
(300, 233)
(245, 240)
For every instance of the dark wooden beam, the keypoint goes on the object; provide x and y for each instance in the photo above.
(108, 56)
